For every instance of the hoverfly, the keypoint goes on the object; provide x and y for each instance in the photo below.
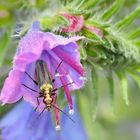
(45, 83)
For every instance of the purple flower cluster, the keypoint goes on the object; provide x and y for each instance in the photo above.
(51, 49)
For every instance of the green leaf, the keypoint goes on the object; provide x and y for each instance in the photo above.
(80, 3)
(83, 53)
(134, 34)
(90, 4)
(135, 76)
(77, 3)
(94, 95)
(84, 107)
(111, 85)
(91, 89)
(88, 99)
(49, 22)
(137, 42)
(4, 41)
(92, 36)
(90, 52)
(129, 19)
(113, 9)
(124, 86)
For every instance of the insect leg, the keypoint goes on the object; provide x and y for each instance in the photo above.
(38, 103)
(53, 94)
(42, 111)
(31, 89)
(32, 79)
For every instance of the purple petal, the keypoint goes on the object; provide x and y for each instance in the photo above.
(22, 61)
(12, 128)
(57, 40)
(35, 26)
(32, 43)
(11, 91)
(70, 60)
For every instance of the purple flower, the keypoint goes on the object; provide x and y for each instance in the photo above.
(53, 50)
(20, 125)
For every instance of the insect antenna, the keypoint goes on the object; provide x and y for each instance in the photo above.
(64, 113)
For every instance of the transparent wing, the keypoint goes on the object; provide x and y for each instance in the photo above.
(41, 73)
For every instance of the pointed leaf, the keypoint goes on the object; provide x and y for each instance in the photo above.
(92, 36)
(111, 85)
(4, 41)
(83, 53)
(90, 4)
(129, 19)
(124, 86)
(134, 34)
(113, 9)
(95, 93)
(135, 76)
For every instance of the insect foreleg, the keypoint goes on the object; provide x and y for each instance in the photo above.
(53, 94)
(53, 80)
(32, 79)
(32, 89)
(58, 66)
(38, 103)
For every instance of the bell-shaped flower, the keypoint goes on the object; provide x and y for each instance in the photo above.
(62, 60)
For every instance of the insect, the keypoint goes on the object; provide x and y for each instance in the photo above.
(47, 92)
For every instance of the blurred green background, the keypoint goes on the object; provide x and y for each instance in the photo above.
(112, 119)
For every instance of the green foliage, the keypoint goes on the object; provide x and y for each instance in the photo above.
(135, 34)
(4, 42)
(129, 19)
(123, 84)
(113, 9)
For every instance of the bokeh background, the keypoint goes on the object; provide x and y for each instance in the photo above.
(111, 118)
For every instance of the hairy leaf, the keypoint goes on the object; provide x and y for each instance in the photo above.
(124, 86)
(113, 9)
(129, 19)
(3, 46)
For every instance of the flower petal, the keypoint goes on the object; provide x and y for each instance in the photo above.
(22, 61)
(57, 40)
(39, 128)
(11, 91)
(70, 60)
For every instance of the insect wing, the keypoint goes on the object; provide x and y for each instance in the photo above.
(41, 73)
